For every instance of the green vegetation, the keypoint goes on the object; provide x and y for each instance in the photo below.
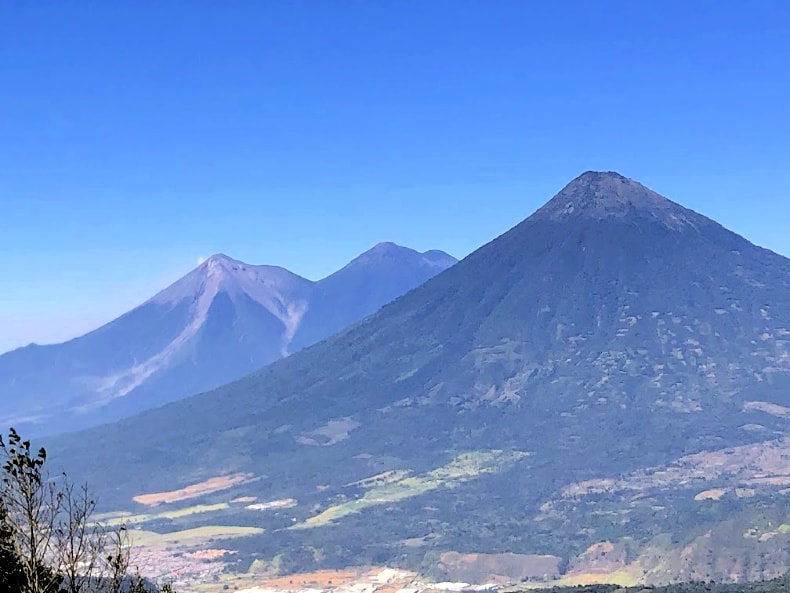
(129, 519)
(397, 486)
(191, 536)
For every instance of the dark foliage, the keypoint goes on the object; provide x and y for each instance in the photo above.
(781, 585)
(11, 576)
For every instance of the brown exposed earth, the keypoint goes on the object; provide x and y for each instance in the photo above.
(194, 490)
(319, 580)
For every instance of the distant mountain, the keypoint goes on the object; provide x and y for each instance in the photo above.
(216, 324)
(601, 393)
(378, 276)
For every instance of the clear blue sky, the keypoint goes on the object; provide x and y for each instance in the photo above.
(136, 137)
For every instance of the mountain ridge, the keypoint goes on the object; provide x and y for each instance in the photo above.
(220, 321)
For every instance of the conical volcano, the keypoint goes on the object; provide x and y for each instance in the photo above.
(613, 373)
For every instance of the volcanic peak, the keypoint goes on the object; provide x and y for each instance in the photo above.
(392, 252)
(599, 195)
(221, 273)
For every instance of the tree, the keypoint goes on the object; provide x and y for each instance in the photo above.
(80, 542)
(49, 542)
(90, 557)
(31, 503)
(11, 576)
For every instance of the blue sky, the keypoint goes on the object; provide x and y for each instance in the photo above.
(136, 137)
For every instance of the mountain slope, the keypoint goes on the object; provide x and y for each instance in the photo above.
(216, 324)
(359, 289)
(561, 388)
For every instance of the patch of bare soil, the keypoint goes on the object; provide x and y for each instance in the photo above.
(194, 490)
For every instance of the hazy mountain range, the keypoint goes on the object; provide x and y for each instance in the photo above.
(604, 391)
(216, 324)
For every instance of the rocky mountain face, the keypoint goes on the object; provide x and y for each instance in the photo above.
(604, 388)
(218, 323)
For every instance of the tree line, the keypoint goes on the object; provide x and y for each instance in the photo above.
(50, 541)
(778, 585)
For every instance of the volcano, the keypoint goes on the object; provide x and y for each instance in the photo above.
(606, 384)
